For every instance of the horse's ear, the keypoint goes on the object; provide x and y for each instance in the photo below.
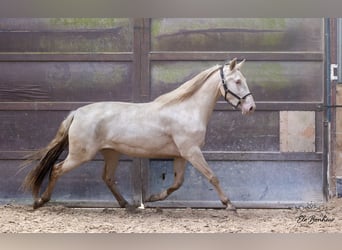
(232, 64)
(239, 65)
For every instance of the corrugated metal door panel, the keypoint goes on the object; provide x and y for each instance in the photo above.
(247, 183)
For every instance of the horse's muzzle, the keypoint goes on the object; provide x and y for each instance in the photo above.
(248, 107)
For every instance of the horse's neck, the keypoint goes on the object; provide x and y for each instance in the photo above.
(206, 97)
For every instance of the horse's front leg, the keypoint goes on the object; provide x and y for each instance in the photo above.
(179, 170)
(195, 157)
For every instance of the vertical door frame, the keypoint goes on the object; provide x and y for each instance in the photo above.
(141, 91)
(330, 111)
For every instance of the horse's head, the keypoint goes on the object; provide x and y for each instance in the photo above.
(234, 87)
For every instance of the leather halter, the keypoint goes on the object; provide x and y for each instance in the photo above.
(226, 90)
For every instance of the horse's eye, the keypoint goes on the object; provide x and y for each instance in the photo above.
(238, 81)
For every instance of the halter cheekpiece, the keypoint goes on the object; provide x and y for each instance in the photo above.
(226, 90)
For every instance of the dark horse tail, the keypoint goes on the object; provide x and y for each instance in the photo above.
(47, 157)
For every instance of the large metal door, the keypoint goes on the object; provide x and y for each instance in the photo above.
(273, 158)
(49, 66)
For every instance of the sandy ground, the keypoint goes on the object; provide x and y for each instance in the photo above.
(59, 219)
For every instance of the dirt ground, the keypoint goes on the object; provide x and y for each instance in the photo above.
(59, 219)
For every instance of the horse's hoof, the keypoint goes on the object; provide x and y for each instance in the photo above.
(231, 208)
(38, 204)
(152, 198)
(123, 204)
(131, 208)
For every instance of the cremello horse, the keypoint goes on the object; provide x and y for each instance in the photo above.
(172, 126)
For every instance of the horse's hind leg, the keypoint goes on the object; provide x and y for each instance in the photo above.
(111, 158)
(179, 170)
(57, 171)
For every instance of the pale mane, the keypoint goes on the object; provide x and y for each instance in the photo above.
(188, 88)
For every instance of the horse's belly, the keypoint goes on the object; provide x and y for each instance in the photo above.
(157, 147)
(145, 153)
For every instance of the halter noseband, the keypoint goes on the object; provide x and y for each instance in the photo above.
(226, 90)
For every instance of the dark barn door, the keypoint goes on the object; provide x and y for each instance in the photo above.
(273, 158)
(49, 67)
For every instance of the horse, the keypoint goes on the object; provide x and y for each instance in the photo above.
(171, 126)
